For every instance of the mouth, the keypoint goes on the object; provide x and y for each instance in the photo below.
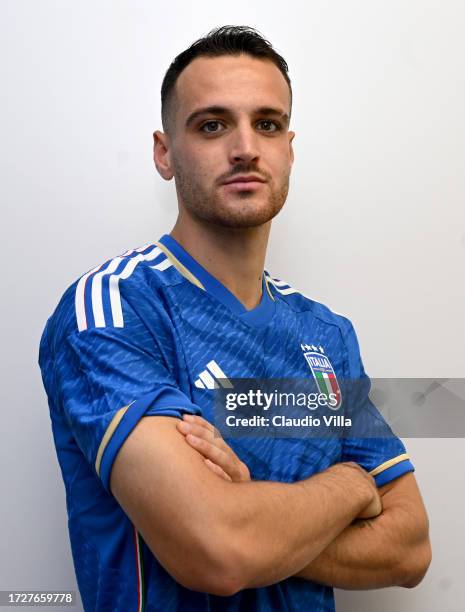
(244, 183)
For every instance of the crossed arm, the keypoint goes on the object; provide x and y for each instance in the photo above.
(391, 549)
(224, 534)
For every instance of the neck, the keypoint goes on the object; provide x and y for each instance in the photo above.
(234, 256)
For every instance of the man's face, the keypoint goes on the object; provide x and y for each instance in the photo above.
(231, 122)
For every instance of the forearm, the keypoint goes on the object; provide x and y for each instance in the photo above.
(278, 528)
(389, 550)
(220, 537)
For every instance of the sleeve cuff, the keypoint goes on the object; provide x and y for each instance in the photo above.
(165, 401)
(393, 472)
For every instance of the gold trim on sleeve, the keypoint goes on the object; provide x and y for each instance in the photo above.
(388, 464)
(179, 266)
(107, 435)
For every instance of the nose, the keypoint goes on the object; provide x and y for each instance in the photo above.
(244, 145)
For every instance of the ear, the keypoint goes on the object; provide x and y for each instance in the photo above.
(291, 148)
(161, 155)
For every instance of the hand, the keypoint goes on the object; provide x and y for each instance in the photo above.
(375, 507)
(358, 479)
(218, 456)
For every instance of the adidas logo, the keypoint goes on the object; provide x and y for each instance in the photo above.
(209, 378)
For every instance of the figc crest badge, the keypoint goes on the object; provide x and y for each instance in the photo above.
(323, 372)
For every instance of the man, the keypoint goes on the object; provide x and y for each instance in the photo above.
(163, 513)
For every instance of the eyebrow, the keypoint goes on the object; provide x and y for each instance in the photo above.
(221, 110)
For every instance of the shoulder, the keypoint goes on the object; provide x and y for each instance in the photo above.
(331, 321)
(300, 302)
(104, 297)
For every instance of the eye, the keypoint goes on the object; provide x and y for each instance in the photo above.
(269, 126)
(209, 127)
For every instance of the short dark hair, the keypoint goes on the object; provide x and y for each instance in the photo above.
(224, 40)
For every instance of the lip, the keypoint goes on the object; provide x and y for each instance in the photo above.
(244, 183)
(245, 178)
(243, 186)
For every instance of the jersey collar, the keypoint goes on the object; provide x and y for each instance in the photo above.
(199, 276)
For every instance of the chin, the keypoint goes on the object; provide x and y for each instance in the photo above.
(240, 210)
(243, 217)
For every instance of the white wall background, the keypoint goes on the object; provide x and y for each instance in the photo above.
(377, 198)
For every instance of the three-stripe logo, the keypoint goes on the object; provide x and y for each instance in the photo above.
(98, 297)
(212, 377)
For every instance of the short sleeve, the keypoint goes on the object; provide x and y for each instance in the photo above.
(372, 444)
(107, 379)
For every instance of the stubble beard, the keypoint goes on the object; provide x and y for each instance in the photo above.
(234, 210)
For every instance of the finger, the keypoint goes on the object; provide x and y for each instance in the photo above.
(205, 433)
(225, 459)
(216, 468)
(195, 418)
(209, 450)
(228, 459)
(195, 429)
(374, 509)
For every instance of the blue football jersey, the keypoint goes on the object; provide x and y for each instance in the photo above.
(150, 332)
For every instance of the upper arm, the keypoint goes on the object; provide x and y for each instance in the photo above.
(403, 492)
(371, 442)
(402, 500)
(173, 499)
(104, 380)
